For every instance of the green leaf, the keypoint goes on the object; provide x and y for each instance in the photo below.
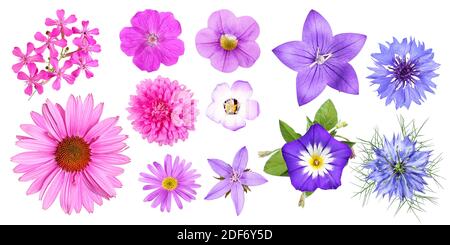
(327, 115)
(349, 143)
(287, 132)
(309, 123)
(276, 165)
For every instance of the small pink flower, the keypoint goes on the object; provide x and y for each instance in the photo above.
(87, 45)
(60, 73)
(163, 111)
(50, 40)
(61, 23)
(33, 79)
(85, 33)
(27, 58)
(84, 61)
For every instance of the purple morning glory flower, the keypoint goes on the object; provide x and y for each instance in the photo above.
(229, 41)
(232, 106)
(316, 160)
(321, 59)
(235, 179)
(399, 168)
(404, 72)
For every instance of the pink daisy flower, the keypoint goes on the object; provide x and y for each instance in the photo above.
(175, 180)
(71, 153)
(163, 111)
(152, 40)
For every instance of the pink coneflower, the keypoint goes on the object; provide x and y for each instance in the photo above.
(175, 180)
(71, 153)
(163, 111)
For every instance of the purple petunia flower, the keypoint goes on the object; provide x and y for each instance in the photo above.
(176, 180)
(321, 59)
(152, 40)
(404, 72)
(235, 179)
(229, 41)
(231, 106)
(316, 160)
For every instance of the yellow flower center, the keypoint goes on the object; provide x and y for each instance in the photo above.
(231, 106)
(316, 162)
(169, 183)
(228, 42)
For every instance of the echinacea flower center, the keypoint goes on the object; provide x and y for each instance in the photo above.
(320, 58)
(169, 183)
(152, 39)
(73, 154)
(316, 162)
(228, 42)
(231, 106)
(404, 70)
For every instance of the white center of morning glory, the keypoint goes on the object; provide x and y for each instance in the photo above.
(320, 58)
(316, 160)
(152, 39)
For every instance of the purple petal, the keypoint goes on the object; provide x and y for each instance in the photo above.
(220, 189)
(224, 61)
(241, 90)
(248, 29)
(131, 39)
(310, 83)
(237, 195)
(345, 46)
(207, 42)
(169, 27)
(247, 52)
(148, 59)
(233, 122)
(223, 22)
(216, 112)
(295, 55)
(221, 92)
(252, 109)
(317, 31)
(341, 76)
(220, 167)
(168, 165)
(252, 179)
(240, 160)
(170, 51)
(147, 21)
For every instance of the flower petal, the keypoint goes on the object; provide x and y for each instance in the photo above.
(345, 46)
(233, 122)
(248, 29)
(220, 167)
(241, 90)
(147, 21)
(223, 21)
(341, 76)
(207, 42)
(224, 61)
(170, 50)
(252, 179)
(247, 52)
(296, 55)
(317, 31)
(216, 112)
(220, 189)
(147, 59)
(237, 195)
(131, 39)
(169, 27)
(251, 109)
(310, 83)
(240, 160)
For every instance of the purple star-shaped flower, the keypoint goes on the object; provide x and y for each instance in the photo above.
(321, 59)
(235, 179)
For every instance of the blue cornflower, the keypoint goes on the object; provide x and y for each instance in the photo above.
(404, 72)
(399, 168)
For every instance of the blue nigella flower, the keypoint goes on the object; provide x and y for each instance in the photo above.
(404, 72)
(399, 168)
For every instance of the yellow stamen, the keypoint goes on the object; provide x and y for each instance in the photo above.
(228, 42)
(316, 162)
(169, 183)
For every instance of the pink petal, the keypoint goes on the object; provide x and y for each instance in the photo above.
(169, 27)
(40, 37)
(22, 76)
(50, 22)
(17, 67)
(170, 51)
(248, 29)
(99, 128)
(53, 190)
(233, 122)
(223, 21)
(32, 157)
(17, 52)
(148, 21)
(56, 85)
(28, 90)
(207, 42)
(54, 121)
(224, 61)
(71, 19)
(38, 119)
(247, 53)
(149, 59)
(60, 14)
(36, 145)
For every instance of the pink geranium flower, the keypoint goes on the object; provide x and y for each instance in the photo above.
(152, 39)
(163, 111)
(32, 79)
(27, 58)
(60, 73)
(83, 61)
(61, 23)
(72, 154)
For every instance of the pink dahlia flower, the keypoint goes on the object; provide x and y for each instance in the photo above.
(152, 39)
(175, 180)
(163, 111)
(73, 154)
(229, 41)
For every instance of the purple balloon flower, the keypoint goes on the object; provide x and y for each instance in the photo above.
(321, 59)
(316, 160)
(152, 40)
(229, 41)
(235, 179)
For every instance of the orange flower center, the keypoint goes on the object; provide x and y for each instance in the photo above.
(73, 154)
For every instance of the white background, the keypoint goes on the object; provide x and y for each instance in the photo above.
(274, 86)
